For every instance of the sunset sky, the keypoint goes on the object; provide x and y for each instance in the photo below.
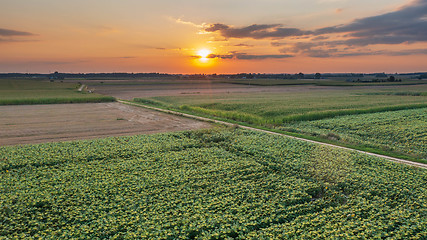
(253, 36)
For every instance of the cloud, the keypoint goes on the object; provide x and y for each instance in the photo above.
(11, 33)
(245, 56)
(406, 25)
(278, 44)
(259, 57)
(180, 21)
(7, 40)
(242, 45)
(12, 36)
(408, 52)
(255, 31)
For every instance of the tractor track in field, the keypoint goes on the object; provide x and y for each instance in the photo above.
(393, 159)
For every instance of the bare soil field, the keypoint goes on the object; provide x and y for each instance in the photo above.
(27, 124)
(131, 91)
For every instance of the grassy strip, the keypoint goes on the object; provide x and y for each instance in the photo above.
(350, 84)
(56, 100)
(397, 93)
(254, 119)
(147, 101)
(233, 115)
(322, 82)
(293, 134)
(331, 114)
(270, 82)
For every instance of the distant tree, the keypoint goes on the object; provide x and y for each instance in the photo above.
(391, 79)
(300, 75)
(317, 75)
(380, 75)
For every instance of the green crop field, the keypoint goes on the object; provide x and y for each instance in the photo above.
(299, 105)
(403, 131)
(31, 91)
(210, 184)
(291, 109)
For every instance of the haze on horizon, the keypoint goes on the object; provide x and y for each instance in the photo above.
(273, 36)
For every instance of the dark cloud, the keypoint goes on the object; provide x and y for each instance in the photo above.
(8, 40)
(256, 31)
(10, 33)
(243, 45)
(245, 56)
(405, 25)
(337, 49)
(249, 57)
(226, 56)
(318, 38)
(14, 40)
(278, 44)
(408, 52)
(11, 36)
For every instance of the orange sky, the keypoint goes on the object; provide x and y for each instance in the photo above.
(257, 36)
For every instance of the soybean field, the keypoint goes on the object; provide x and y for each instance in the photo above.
(206, 184)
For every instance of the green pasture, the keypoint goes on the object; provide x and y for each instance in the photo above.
(210, 184)
(29, 91)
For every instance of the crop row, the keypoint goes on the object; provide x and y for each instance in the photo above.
(295, 105)
(402, 131)
(210, 184)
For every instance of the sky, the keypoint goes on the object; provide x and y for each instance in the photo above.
(213, 36)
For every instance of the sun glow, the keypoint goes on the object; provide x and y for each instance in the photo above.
(203, 53)
(203, 58)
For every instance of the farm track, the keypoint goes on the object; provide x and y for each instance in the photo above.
(393, 159)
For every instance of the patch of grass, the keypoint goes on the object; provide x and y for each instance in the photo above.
(148, 101)
(24, 91)
(56, 100)
(397, 93)
(317, 82)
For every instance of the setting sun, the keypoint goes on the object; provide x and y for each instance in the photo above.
(204, 53)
